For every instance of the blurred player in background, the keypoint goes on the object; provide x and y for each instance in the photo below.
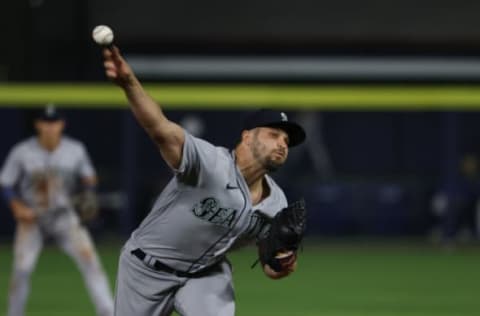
(38, 180)
(456, 203)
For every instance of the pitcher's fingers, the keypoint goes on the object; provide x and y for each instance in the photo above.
(117, 57)
(112, 74)
(274, 274)
(292, 267)
(108, 64)
(107, 53)
(293, 258)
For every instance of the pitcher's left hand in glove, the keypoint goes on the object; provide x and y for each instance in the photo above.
(278, 248)
(86, 205)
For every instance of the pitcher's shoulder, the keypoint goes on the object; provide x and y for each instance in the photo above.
(225, 153)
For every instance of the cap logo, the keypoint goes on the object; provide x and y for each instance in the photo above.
(284, 117)
(50, 110)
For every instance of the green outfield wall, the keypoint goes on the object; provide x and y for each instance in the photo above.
(236, 96)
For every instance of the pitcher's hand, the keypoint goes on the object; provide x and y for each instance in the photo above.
(116, 68)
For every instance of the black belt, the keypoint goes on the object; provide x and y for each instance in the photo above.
(157, 265)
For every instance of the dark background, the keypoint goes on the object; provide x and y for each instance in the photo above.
(50, 40)
(386, 163)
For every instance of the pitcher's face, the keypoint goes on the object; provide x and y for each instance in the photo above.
(269, 147)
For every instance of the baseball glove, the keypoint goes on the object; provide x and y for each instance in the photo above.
(284, 237)
(86, 205)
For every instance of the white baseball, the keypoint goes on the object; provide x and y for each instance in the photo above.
(102, 35)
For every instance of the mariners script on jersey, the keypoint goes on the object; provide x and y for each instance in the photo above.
(204, 210)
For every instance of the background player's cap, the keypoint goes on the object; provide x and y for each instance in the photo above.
(49, 113)
(277, 119)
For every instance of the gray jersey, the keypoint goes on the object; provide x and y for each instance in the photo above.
(45, 180)
(204, 210)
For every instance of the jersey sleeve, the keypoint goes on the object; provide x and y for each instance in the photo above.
(11, 170)
(198, 155)
(85, 167)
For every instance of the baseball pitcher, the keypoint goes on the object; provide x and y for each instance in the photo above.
(217, 199)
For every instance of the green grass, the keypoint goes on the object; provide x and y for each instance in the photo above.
(332, 280)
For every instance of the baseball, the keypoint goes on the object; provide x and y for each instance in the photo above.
(102, 35)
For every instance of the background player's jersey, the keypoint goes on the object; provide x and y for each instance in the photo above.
(45, 180)
(204, 210)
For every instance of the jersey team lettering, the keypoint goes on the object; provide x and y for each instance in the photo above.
(209, 210)
(258, 225)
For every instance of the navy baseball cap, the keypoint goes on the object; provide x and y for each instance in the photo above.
(276, 119)
(50, 113)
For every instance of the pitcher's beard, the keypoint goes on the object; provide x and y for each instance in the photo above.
(268, 164)
(272, 166)
(265, 161)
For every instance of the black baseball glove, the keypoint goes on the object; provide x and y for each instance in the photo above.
(284, 237)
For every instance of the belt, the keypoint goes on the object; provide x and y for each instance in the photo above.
(157, 265)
